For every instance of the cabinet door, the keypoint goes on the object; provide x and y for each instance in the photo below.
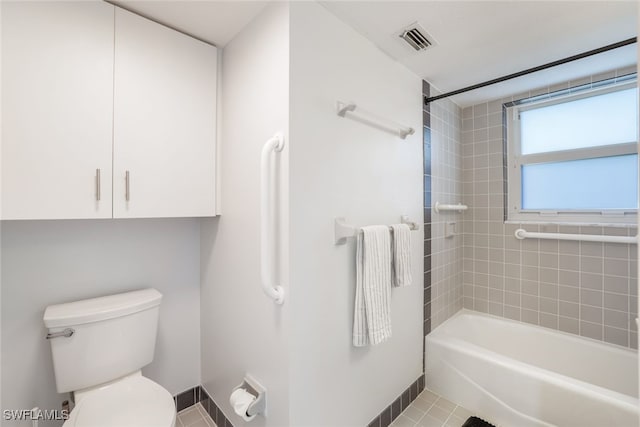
(57, 109)
(164, 121)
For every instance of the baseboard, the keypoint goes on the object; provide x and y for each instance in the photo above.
(396, 407)
(197, 394)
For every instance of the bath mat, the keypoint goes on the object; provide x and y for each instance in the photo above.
(476, 422)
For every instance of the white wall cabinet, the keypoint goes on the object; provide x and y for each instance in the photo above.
(164, 121)
(88, 86)
(57, 109)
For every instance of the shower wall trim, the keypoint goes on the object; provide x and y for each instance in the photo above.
(426, 154)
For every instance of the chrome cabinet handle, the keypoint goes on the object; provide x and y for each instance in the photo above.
(97, 185)
(126, 190)
(66, 333)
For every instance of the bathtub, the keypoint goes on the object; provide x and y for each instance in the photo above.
(519, 375)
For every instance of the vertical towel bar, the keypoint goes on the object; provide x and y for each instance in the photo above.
(275, 144)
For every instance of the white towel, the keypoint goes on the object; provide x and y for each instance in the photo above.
(401, 255)
(372, 312)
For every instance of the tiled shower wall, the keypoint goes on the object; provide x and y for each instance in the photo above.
(446, 187)
(584, 288)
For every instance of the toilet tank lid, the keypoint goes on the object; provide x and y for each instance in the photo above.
(102, 308)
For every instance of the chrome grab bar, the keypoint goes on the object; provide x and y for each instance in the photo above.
(66, 333)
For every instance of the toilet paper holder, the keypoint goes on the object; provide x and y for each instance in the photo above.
(258, 406)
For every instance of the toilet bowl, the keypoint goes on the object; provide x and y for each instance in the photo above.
(133, 401)
(99, 347)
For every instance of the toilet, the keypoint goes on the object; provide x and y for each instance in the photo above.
(99, 347)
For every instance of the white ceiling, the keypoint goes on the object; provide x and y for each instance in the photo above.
(216, 22)
(475, 40)
(481, 40)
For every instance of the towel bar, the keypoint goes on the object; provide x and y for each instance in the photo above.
(343, 230)
(374, 120)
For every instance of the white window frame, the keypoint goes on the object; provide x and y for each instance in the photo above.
(515, 161)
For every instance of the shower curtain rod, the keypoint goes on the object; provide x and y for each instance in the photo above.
(582, 55)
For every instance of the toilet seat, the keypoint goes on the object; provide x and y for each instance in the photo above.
(134, 401)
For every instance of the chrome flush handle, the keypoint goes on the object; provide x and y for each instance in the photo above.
(66, 333)
(97, 185)
(127, 194)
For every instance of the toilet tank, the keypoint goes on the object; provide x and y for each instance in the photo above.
(113, 336)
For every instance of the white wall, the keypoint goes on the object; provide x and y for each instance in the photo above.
(340, 167)
(242, 330)
(1, 406)
(50, 262)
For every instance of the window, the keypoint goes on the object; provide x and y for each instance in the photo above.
(574, 158)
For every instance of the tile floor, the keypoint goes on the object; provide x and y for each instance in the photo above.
(428, 410)
(431, 410)
(194, 416)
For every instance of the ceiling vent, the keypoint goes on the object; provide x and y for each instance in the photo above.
(416, 37)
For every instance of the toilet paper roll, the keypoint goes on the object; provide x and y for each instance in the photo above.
(240, 400)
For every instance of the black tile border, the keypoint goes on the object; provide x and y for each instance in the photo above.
(186, 399)
(391, 412)
(190, 397)
(426, 154)
(197, 394)
(213, 410)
